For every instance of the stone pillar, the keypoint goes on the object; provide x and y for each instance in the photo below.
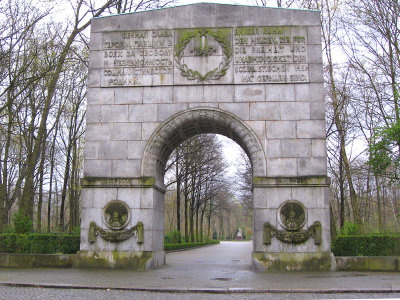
(137, 244)
(291, 224)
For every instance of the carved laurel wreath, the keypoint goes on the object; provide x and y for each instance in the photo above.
(293, 237)
(115, 236)
(215, 74)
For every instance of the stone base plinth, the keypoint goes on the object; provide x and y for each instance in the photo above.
(296, 261)
(139, 260)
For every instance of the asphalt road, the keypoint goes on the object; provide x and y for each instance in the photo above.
(22, 293)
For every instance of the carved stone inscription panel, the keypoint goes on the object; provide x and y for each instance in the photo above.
(270, 55)
(242, 55)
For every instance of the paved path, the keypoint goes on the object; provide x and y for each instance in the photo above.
(23, 293)
(219, 268)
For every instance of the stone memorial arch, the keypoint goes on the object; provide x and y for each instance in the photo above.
(156, 78)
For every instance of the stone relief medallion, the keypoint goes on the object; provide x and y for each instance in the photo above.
(203, 43)
(116, 214)
(292, 215)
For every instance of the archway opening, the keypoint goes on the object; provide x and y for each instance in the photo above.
(185, 131)
(208, 198)
(208, 181)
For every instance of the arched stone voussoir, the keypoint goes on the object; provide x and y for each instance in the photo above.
(258, 163)
(195, 121)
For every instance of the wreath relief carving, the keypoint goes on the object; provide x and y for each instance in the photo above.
(202, 50)
(292, 216)
(116, 216)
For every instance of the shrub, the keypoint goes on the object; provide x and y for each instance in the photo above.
(349, 229)
(173, 237)
(21, 223)
(367, 245)
(39, 243)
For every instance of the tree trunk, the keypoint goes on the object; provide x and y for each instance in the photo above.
(186, 206)
(197, 225)
(40, 200)
(341, 190)
(4, 180)
(201, 224)
(178, 193)
(65, 187)
(72, 190)
(209, 222)
(51, 181)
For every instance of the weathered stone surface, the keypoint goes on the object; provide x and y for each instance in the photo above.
(143, 113)
(314, 129)
(128, 95)
(367, 263)
(265, 111)
(258, 127)
(167, 110)
(93, 114)
(280, 92)
(96, 41)
(158, 94)
(295, 110)
(281, 167)
(239, 109)
(113, 260)
(299, 261)
(295, 148)
(135, 149)
(281, 129)
(94, 78)
(113, 150)
(188, 94)
(262, 215)
(316, 73)
(315, 54)
(97, 167)
(148, 128)
(309, 92)
(125, 168)
(131, 196)
(314, 35)
(319, 148)
(114, 113)
(91, 150)
(317, 110)
(224, 93)
(127, 132)
(101, 196)
(99, 132)
(98, 96)
(273, 148)
(313, 166)
(252, 93)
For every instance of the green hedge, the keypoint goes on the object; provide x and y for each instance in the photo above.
(367, 245)
(39, 243)
(169, 247)
(57, 243)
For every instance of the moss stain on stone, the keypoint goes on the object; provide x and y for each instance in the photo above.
(148, 181)
(257, 180)
(113, 260)
(294, 261)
